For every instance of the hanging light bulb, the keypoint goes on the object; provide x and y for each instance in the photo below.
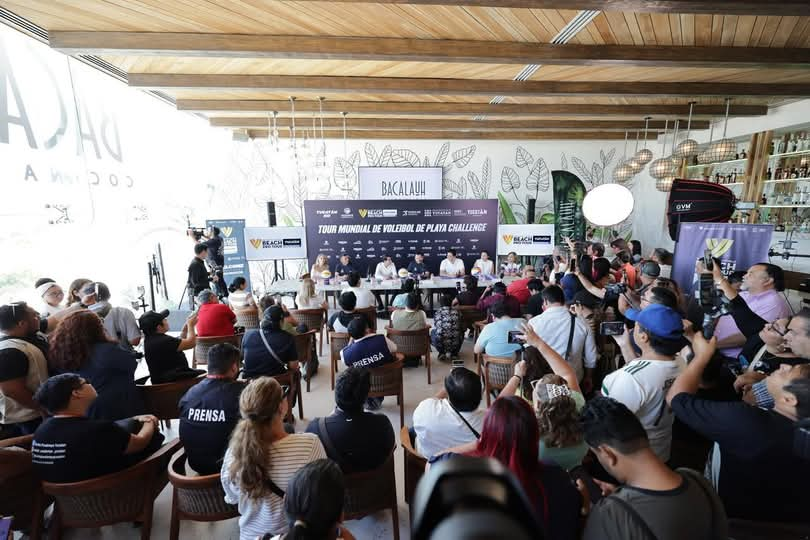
(634, 164)
(723, 149)
(623, 172)
(644, 155)
(664, 184)
(662, 167)
(688, 147)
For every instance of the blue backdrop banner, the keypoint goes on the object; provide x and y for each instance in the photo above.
(737, 246)
(233, 248)
(366, 230)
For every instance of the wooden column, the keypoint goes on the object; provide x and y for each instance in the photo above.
(756, 167)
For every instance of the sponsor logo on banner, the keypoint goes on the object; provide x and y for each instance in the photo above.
(326, 213)
(377, 212)
(347, 213)
(227, 231)
(526, 240)
(260, 243)
(507, 238)
(363, 212)
(719, 246)
(411, 213)
(476, 211)
(256, 242)
(683, 207)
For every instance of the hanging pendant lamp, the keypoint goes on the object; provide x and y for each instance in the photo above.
(623, 172)
(645, 155)
(688, 147)
(664, 183)
(634, 164)
(723, 149)
(702, 157)
(662, 167)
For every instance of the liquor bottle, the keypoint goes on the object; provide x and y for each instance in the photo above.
(764, 200)
(794, 173)
(743, 155)
(734, 176)
(778, 174)
(769, 174)
(717, 178)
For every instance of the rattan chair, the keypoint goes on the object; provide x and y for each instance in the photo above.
(469, 316)
(162, 400)
(414, 465)
(20, 490)
(124, 496)
(372, 491)
(292, 379)
(337, 341)
(386, 380)
(248, 317)
(412, 343)
(196, 498)
(371, 315)
(304, 349)
(204, 344)
(497, 372)
(315, 319)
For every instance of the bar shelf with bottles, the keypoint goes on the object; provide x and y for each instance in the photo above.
(788, 172)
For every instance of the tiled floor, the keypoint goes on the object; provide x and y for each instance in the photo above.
(318, 402)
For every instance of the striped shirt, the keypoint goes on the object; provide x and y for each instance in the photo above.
(287, 455)
(241, 299)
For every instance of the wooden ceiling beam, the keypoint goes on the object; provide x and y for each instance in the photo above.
(451, 125)
(420, 50)
(455, 135)
(723, 7)
(431, 109)
(461, 87)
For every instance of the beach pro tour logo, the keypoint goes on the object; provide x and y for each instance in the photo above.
(275, 243)
(719, 246)
(363, 212)
(377, 212)
(526, 240)
(507, 238)
(256, 243)
(227, 231)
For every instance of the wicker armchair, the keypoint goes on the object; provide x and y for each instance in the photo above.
(315, 319)
(292, 379)
(204, 344)
(469, 316)
(248, 317)
(128, 495)
(337, 341)
(412, 343)
(196, 498)
(20, 491)
(162, 400)
(371, 314)
(497, 372)
(372, 491)
(386, 380)
(305, 349)
(414, 464)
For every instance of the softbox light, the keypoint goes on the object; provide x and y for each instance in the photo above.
(698, 201)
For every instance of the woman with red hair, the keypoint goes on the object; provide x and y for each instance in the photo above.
(79, 345)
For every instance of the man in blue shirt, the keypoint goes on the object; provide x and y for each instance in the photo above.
(344, 267)
(418, 267)
(494, 338)
(368, 350)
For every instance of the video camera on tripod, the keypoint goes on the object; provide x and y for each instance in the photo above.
(197, 233)
(711, 300)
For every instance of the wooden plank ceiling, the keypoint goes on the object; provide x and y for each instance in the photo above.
(528, 69)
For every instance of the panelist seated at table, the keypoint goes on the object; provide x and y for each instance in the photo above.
(511, 267)
(386, 270)
(451, 266)
(344, 267)
(417, 266)
(321, 265)
(485, 265)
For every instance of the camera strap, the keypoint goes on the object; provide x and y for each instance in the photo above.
(271, 351)
(570, 337)
(474, 432)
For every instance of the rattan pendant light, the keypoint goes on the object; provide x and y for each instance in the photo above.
(634, 164)
(662, 167)
(688, 147)
(723, 149)
(645, 155)
(623, 172)
(664, 183)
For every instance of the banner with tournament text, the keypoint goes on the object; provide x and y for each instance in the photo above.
(233, 248)
(527, 239)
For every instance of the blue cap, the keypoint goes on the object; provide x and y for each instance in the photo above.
(661, 321)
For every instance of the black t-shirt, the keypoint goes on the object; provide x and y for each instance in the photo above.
(198, 275)
(417, 268)
(73, 449)
(164, 360)
(760, 477)
(14, 363)
(258, 361)
(215, 250)
(362, 441)
(208, 413)
(344, 269)
(468, 298)
(535, 305)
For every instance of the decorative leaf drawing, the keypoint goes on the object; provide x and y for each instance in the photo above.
(596, 173)
(475, 185)
(441, 157)
(602, 155)
(462, 156)
(486, 178)
(564, 162)
(452, 190)
(510, 180)
(402, 157)
(538, 179)
(523, 158)
(608, 158)
(446, 170)
(426, 162)
(344, 174)
(371, 155)
(580, 167)
(354, 159)
(385, 156)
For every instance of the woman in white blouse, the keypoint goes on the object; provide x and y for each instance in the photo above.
(511, 267)
(386, 269)
(307, 298)
(321, 264)
(485, 264)
(239, 297)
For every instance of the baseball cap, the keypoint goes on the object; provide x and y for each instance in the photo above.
(659, 320)
(150, 320)
(586, 299)
(651, 269)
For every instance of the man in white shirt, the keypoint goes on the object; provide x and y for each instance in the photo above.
(364, 296)
(485, 264)
(558, 327)
(386, 269)
(452, 417)
(452, 266)
(643, 383)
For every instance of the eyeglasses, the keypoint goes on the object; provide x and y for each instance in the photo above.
(773, 328)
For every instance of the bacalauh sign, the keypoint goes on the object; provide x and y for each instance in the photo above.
(393, 183)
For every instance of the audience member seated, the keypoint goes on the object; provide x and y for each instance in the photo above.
(754, 451)
(447, 334)
(510, 434)
(314, 503)
(495, 294)
(451, 266)
(269, 350)
(363, 296)
(262, 458)
(80, 345)
(761, 290)
(519, 288)
(664, 260)
(210, 409)
(534, 306)
(469, 294)
(74, 291)
(164, 353)
(354, 439)
(119, 322)
(642, 384)
(23, 367)
(494, 337)
(367, 349)
(307, 298)
(567, 334)
(653, 501)
(239, 296)
(320, 266)
(410, 318)
(451, 418)
(401, 300)
(485, 265)
(213, 318)
(290, 323)
(51, 295)
(339, 321)
(511, 267)
(70, 447)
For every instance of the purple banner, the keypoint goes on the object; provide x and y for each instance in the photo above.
(366, 230)
(737, 246)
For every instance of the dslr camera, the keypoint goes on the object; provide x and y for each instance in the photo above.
(711, 300)
(616, 289)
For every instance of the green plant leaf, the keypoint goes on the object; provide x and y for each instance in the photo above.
(547, 219)
(506, 210)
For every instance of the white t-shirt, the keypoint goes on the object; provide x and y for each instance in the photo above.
(438, 427)
(385, 272)
(286, 457)
(642, 386)
(240, 299)
(315, 302)
(486, 267)
(364, 297)
(455, 268)
(120, 324)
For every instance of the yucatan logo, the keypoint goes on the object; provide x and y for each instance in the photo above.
(719, 246)
(507, 238)
(256, 242)
(227, 231)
